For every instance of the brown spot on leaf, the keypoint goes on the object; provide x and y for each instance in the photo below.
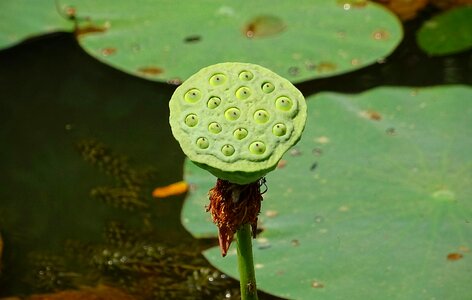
(263, 26)
(391, 131)
(80, 31)
(70, 12)
(454, 256)
(325, 66)
(295, 243)
(372, 115)
(152, 71)
(108, 51)
(282, 163)
(316, 284)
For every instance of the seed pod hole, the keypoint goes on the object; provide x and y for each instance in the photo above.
(267, 87)
(193, 95)
(243, 93)
(283, 103)
(232, 114)
(213, 102)
(191, 120)
(214, 127)
(203, 143)
(261, 116)
(246, 76)
(217, 79)
(279, 129)
(240, 133)
(257, 147)
(227, 150)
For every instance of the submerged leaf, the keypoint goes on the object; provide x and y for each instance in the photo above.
(447, 33)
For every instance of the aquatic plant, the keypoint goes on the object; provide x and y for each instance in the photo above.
(236, 120)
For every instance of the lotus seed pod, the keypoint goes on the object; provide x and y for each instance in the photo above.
(236, 120)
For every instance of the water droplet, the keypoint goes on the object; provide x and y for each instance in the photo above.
(261, 116)
(153, 71)
(316, 284)
(263, 26)
(444, 195)
(322, 139)
(243, 93)
(258, 266)
(271, 213)
(240, 133)
(191, 120)
(246, 75)
(309, 65)
(203, 143)
(192, 39)
(193, 95)
(454, 256)
(214, 127)
(279, 129)
(267, 87)
(283, 103)
(213, 102)
(355, 62)
(175, 81)
(232, 114)
(257, 147)
(380, 34)
(217, 79)
(295, 152)
(381, 60)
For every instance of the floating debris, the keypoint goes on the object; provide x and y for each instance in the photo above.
(173, 189)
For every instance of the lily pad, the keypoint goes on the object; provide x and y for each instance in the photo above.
(162, 41)
(23, 19)
(447, 33)
(374, 203)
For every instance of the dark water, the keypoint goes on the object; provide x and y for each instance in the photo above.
(67, 195)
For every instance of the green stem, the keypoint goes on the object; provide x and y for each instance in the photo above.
(246, 264)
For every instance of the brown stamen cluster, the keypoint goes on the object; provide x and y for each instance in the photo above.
(233, 205)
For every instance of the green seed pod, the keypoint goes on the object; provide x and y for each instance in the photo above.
(248, 119)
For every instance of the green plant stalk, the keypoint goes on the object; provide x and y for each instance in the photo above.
(247, 275)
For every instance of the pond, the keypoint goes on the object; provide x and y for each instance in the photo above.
(83, 147)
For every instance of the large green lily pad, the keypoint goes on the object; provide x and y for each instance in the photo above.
(447, 33)
(374, 203)
(22, 19)
(165, 41)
